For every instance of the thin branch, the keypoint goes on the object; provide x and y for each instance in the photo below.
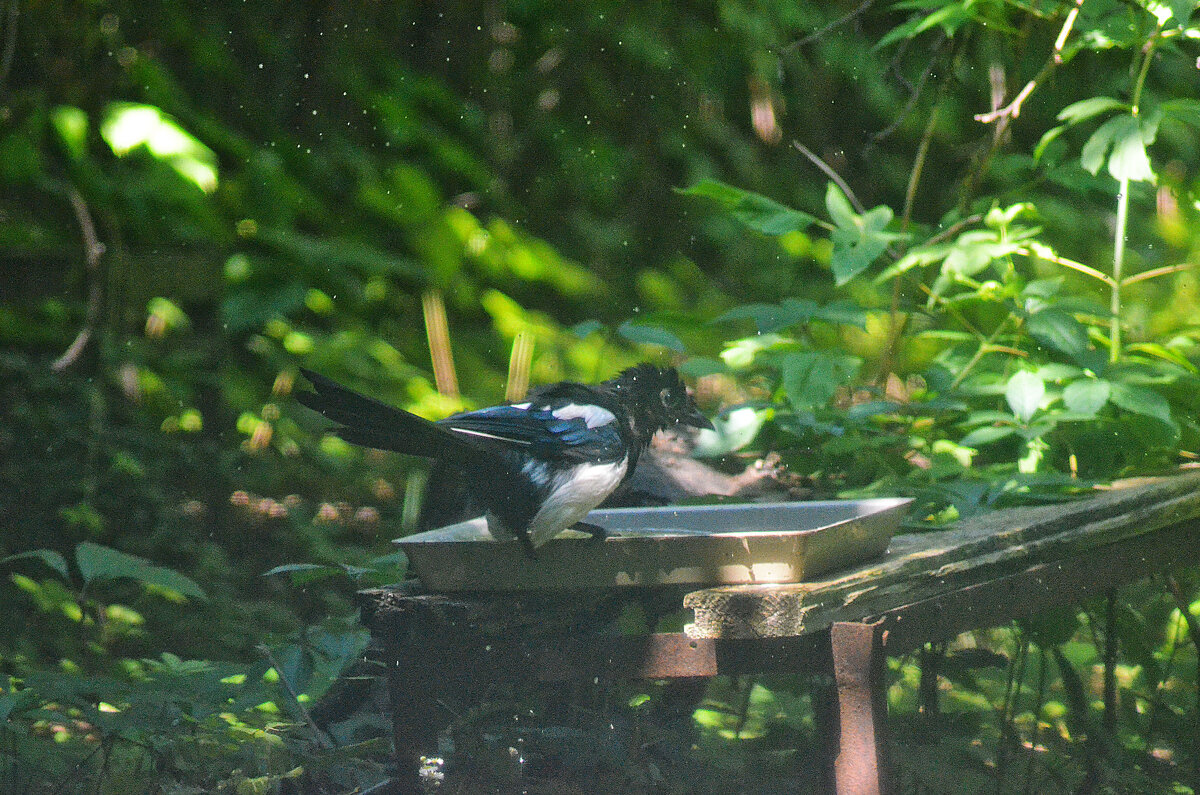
(93, 250)
(1155, 272)
(953, 229)
(1043, 252)
(913, 96)
(837, 23)
(319, 735)
(1013, 109)
(829, 172)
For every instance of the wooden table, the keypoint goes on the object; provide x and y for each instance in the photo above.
(929, 587)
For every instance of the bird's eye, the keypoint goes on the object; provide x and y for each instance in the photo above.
(669, 397)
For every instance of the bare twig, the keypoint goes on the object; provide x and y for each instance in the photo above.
(833, 175)
(1044, 252)
(320, 737)
(93, 250)
(837, 23)
(1013, 109)
(953, 229)
(1156, 272)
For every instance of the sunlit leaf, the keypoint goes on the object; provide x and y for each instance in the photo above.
(128, 126)
(1127, 137)
(731, 431)
(1024, 393)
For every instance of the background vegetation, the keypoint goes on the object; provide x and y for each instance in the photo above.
(934, 247)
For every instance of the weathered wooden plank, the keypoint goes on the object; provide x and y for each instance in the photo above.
(923, 567)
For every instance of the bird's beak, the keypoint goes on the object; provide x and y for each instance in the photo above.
(697, 420)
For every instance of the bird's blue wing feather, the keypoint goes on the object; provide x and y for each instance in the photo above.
(534, 431)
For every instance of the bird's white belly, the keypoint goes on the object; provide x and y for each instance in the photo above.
(574, 494)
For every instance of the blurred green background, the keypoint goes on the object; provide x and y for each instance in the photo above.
(870, 280)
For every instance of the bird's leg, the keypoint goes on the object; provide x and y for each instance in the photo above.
(527, 545)
(597, 532)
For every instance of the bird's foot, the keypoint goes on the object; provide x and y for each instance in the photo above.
(597, 532)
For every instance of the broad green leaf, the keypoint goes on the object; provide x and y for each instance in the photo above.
(650, 335)
(842, 312)
(699, 366)
(1024, 393)
(1127, 136)
(1085, 109)
(857, 245)
(1059, 330)
(98, 562)
(1087, 395)
(48, 556)
(840, 211)
(986, 435)
(769, 318)
(586, 328)
(811, 378)
(756, 211)
(1140, 400)
(289, 568)
(1181, 11)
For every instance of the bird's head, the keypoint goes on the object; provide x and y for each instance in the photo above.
(657, 399)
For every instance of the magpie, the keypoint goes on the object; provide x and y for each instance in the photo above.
(539, 466)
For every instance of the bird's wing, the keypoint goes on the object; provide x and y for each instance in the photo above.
(565, 432)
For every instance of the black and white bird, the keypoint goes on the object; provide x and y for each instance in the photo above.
(539, 466)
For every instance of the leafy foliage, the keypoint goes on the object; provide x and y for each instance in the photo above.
(978, 304)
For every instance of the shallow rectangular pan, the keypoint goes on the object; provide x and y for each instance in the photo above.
(698, 545)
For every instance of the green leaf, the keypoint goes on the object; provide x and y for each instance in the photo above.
(840, 211)
(1085, 109)
(1059, 330)
(986, 435)
(1087, 395)
(1127, 136)
(586, 328)
(650, 335)
(769, 317)
(752, 209)
(98, 562)
(859, 240)
(842, 312)
(47, 556)
(1141, 400)
(811, 378)
(289, 568)
(1181, 11)
(1024, 394)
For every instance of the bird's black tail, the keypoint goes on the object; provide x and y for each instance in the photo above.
(370, 423)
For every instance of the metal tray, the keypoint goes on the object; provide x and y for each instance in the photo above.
(698, 545)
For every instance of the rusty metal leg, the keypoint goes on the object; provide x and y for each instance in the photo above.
(862, 766)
